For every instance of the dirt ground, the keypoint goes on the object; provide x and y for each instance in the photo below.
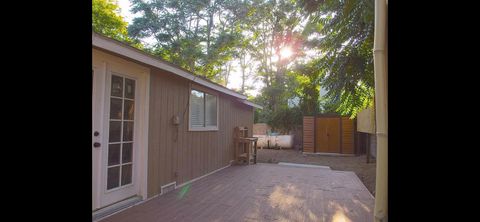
(357, 164)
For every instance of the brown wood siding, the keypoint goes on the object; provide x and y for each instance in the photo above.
(184, 155)
(347, 136)
(308, 134)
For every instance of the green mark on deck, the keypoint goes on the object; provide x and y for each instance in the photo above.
(184, 191)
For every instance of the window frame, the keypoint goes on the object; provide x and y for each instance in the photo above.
(204, 91)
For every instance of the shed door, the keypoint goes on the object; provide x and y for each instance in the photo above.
(321, 139)
(333, 135)
(327, 135)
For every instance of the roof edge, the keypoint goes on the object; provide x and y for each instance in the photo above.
(251, 104)
(115, 46)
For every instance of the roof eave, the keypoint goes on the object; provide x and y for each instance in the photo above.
(251, 104)
(117, 47)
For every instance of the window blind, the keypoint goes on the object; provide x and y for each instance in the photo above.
(197, 109)
(210, 110)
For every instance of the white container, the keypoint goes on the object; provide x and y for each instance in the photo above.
(284, 141)
(262, 141)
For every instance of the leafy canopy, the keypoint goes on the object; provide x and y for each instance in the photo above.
(107, 21)
(347, 28)
(331, 42)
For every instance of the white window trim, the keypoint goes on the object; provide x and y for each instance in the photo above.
(205, 128)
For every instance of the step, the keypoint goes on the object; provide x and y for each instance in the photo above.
(304, 165)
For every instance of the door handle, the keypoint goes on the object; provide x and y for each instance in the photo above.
(96, 144)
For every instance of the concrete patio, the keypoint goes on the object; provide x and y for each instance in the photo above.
(261, 192)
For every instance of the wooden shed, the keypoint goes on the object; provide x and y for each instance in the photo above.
(329, 134)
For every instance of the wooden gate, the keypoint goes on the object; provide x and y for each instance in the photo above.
(328, 134)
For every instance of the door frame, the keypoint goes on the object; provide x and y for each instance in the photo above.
(104, 63)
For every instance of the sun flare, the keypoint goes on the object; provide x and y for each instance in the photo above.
(286, 52)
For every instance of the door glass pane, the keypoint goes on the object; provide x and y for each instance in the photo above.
(127, 131)
(117, 86)
(113, 177)
(126, 174)
(128, 109)
(113, 154)
(127, 153)
(115, 108)
(129, 88)
(114, 134)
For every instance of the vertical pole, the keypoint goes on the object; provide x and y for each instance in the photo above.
(381, 111)
(315, 133)
(368, 147)
(235, 149)
(255, 150)
(315, 113)
(355, 136)
(341, 134)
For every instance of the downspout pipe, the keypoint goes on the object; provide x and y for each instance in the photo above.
(381, 111)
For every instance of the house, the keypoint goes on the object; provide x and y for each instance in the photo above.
(155, 126)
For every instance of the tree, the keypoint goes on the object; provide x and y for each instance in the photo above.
(306, 87)
(200, 36)
(272, 26)
(344, 32)
(106, 21)
(210, 37)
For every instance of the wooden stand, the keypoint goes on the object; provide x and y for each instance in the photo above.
(243, 145)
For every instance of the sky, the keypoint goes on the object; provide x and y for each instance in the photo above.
(125, 10)
(235, 78)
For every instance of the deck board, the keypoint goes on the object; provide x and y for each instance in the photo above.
(261, 192)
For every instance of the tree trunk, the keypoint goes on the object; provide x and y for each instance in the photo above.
(227, 74)
(210, 26)
(243, 66)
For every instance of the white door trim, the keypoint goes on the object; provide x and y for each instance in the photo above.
(106, 63)
(144, 152)
(98, 104)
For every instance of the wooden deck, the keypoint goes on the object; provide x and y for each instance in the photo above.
(261, 192)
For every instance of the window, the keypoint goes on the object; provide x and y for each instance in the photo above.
(203, 111)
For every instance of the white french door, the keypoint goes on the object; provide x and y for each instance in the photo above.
(118, 166)
(116, 139)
